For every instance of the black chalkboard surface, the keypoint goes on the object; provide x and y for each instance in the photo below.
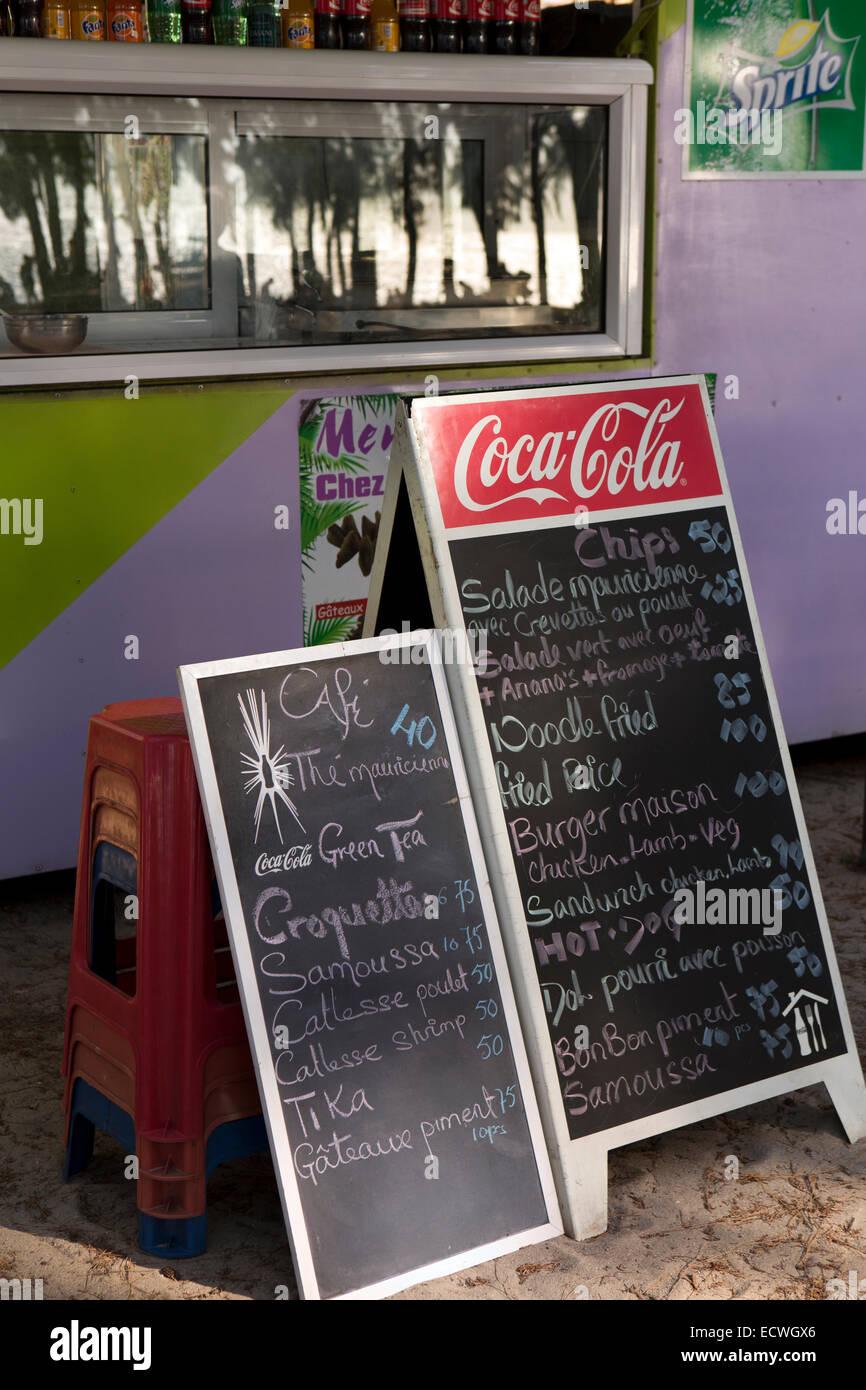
(634, 759)
(396, 1089)
(652, 872)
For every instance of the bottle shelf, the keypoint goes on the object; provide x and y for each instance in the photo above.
(46, 65)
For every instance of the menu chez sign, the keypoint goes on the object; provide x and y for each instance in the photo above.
(394, 1081)
(631, 776)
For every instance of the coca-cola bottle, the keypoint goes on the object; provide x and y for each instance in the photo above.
(28, 19)
(448, 28)
(327, 24)
(506, 18)
(476, 25)
(356, 23)
(415, 34)
(529, 33)
(197, 21)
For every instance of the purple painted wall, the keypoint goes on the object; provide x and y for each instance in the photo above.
(766, 280)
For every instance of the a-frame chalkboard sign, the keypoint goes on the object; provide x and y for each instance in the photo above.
(394, 1081)
(648, 854)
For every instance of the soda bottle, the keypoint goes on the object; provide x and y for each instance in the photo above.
(28, 19)
(385, 24)
(506, 18)
(88, 19)
(299, 24)
(415, 34)
(56, 20)
(125, 21)
(356, 23)
(529, 32)
(164, 21)
(196, 21)
(264, 26)
(329, 33)
(476, 25)
(447, 34)
(231, 22)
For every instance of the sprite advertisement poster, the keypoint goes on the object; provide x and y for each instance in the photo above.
(774, 88)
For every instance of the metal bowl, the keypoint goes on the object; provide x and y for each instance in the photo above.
(46, 333)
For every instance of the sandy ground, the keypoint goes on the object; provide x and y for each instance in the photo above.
(795, 1218)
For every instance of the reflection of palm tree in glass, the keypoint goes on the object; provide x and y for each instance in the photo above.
(322, 186)
(64, 182)
(34, 168)
(275, 182)
(345, 202)
(537, 181)
(154, 189)
(563, 152)
(493, 190)
(411, 206)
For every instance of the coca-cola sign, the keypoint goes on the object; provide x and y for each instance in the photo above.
(555, 452)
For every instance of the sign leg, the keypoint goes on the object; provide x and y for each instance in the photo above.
(844, 1080)
(584, 1191)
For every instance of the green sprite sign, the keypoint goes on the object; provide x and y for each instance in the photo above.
(774, 87)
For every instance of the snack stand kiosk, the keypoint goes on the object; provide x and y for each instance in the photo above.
(209, 239)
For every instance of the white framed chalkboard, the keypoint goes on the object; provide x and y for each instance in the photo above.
(651, 865)
(395, 1086)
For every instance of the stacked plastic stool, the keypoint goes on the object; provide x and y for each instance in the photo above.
(156, 1051)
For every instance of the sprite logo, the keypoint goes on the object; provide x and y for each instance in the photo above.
(774, 88)
(811, 65)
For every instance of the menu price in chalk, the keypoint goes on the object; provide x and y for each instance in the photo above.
(373, 966)
(656, 848)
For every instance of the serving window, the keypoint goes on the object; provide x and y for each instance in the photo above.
(341, 233)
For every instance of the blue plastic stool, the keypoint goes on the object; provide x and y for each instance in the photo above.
(180, 1237)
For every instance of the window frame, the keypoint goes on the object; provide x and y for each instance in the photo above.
(231, 85)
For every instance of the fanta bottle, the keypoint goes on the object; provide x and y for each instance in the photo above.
(88, 19)
(56, 20)
(125, 21)
(298, 24)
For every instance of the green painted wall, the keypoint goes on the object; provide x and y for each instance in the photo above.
(107, 469)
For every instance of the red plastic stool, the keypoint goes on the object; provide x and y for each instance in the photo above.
(154, 1023)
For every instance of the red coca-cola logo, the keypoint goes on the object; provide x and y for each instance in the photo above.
(506, 9)
(450, 9)
(530, 11)
(479, 9)
(549, 454)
